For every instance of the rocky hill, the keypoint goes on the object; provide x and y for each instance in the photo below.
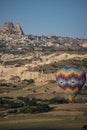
(14, 41)
(40, 67)
(37, 57)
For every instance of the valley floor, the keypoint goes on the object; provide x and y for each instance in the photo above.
(63, 117)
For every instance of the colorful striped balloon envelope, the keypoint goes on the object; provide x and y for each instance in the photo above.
(71, 79)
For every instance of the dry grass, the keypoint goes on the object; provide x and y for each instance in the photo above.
(44, 91)
(63, 115)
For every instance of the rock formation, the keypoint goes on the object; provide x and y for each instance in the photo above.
(9, 28)
(19, 29)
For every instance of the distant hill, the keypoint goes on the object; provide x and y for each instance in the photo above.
(14, 41)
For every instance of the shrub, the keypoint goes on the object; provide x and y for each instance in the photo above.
(34, 91)
(57, 100)
(24, 110)
(42, 107)
(28, 102)
(85, 87)
(28, 81)
(35, 109)
(16, 104)
(12, 111)
(6, 103)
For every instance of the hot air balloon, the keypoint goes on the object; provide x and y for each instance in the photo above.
(71, 79)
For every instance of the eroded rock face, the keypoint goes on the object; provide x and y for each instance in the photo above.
(19, 29)
(9, 28)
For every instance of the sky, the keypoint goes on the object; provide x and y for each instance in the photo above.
(67, 18)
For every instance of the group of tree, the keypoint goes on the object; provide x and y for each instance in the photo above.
(29, 105)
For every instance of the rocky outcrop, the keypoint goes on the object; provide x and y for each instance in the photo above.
(19, 29)
(9, 28)
(41, 71)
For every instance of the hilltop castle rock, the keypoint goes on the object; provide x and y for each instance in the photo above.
(9, 28)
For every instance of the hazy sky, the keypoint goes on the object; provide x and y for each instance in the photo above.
(47, 17)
